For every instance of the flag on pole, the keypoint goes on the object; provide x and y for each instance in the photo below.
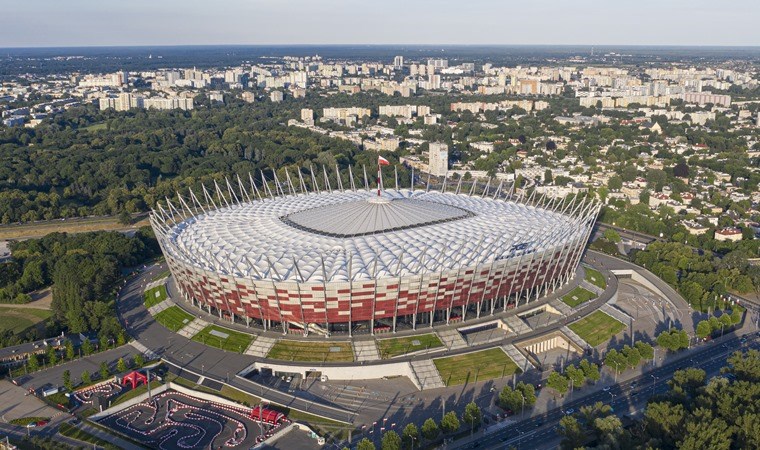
(382, 161)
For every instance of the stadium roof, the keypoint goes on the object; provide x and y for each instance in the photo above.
(373, 215)
(344, 234)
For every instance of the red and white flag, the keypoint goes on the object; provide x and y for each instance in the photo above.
(382, 161)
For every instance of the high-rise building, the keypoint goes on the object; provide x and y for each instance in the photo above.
(438, 63)
(398, 62)
(307, 116)
(438, 156)
(276, 96)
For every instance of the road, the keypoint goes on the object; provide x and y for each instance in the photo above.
(629, 397)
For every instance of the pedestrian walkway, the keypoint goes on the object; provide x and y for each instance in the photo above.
(193, 328)
(260, 346)
(591, 287)
(427, 374)
(155, 309)
(365, 350)
(516, 356)
(561, 307)
(108, 437)
(577, 340)
(517, 325)
(150, 354)
(616, 313)
(451, 339)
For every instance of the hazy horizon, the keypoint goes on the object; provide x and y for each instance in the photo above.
(82, 23)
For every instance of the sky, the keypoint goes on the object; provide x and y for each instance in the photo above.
(64, 23)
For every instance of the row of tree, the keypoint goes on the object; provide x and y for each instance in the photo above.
(410, 437)
(694, 414)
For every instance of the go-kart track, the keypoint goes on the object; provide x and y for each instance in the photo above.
(173, 420)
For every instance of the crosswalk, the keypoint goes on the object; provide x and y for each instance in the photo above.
(427, 374)
(451, 339)
(193, 328)
(260, 346)
(365, 350)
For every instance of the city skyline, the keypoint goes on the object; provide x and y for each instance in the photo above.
(547, 22)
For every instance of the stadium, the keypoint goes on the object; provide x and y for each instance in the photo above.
(336, 256)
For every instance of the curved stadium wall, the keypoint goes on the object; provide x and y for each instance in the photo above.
(284, 256)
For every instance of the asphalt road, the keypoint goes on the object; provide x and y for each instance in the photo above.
(628, 397)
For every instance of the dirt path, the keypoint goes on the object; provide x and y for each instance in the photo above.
(40, 300)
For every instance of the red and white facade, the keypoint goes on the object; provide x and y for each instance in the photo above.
(283, 256)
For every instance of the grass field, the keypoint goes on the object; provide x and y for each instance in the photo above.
(17, 320)
(155, 295)
(389, 348)
(234, 342)
(597, 328)
(173, 318)
(476, 366)
(96, 127)
(311, 351)
(74, 225)
(577, 296)
(595, 277)
(73, 432)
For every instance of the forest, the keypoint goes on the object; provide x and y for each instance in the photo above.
(84, 270)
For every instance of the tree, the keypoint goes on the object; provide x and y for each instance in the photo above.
(558, 382)
(125, 218)
(573, 433)
(33, 363)
(52, 356)
(410, 436)
(528, 393)
(69, 350)
(104, 371)
(391, 441)
(450, 423)
(615, 361)
(138, 359)
(548, 178)
(86, 378)
(365, 444)
(86, 347)
(612, 235)
(645, 349)
(681, 170)
(590, 370)
(472, 415)
(67, 380)
(575, 375)
(430, 429)
(703, 329)
(615, 183)
(121, 366)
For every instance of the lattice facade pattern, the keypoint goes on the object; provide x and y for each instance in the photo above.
(483, 251)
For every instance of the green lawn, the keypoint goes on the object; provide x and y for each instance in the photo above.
(597, 328)
(137, 391)
(17, 320)
(173, 318)
(577, 296)
(311, 351)
(389, 348)
(595, 277)
(156, 295)
(476, 366)
(214, 336)
(96, 127)
(73, 432)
